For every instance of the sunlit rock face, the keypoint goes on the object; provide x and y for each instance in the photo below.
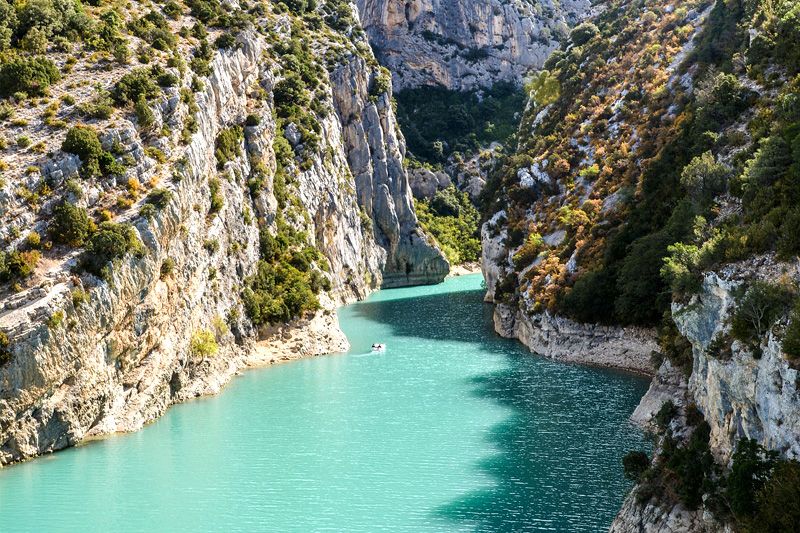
(465, 44)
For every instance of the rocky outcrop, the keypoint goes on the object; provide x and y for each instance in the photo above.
(375, 149)
(113, 363)
(740, 395)
(426, 183)
(634, 517)
(668, 384)
(562, 339)
(465, 44)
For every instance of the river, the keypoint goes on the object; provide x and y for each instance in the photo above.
(450, 429)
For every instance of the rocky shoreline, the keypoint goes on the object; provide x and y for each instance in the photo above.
(561, 339)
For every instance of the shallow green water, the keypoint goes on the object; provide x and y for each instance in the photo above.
(451, 429)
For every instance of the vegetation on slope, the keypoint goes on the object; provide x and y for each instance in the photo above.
(438, 123)
(637, 169)
(453, 221)
(77, 76)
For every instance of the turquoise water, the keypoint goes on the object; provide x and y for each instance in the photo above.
(451, 429)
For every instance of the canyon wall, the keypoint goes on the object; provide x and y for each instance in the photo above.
(79, 367)
(465, 44)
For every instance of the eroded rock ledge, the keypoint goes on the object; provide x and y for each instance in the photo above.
(562, 339)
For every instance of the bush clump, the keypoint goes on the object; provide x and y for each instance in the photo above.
(70, 224)
(635, 464)
(204, 344)
(167, 267)
(285, 285)
(159, 198)
(17, 265)
(84, 142)
(135, 85)
(228, 145)
(30, 76)
(226, 40)
(109, 243)
(757, 310)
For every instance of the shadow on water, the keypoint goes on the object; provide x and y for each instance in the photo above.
(558, 462)
(557, 465)
(457, 316)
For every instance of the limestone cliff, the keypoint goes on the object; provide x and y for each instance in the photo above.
(89, 356)
(465, 44)
(740, 396)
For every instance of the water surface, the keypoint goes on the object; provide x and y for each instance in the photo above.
(450, 429)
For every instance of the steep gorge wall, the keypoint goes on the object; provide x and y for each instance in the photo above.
(120, 360)
(465, 44)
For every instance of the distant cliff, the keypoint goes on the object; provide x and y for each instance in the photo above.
(465, 44)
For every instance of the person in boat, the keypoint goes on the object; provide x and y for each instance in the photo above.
(378, 346)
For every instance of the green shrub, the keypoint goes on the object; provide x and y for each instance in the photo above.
(109, 243)
(31, 76)
(167, 267)
(147, 211)
(583, 33)
(70, 224)
(252, 120)
(791, 338)
(55, 320)
(160, 198)
(704, 178)
(228, 145)
(288, 93)
(778, 501)
(16, 265)
(203, 344)
(99, 106)
(216, 200)
(750, 470)
(79, 298)
(757, 310)
(135, 85)
(226, 40)
(204, 10)
(381, 84)
(84, 142)
(173, 10)
(635, 464)
(5, 348)
(666, 414)
(154, 29)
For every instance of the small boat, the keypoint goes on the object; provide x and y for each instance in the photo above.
(378, 347)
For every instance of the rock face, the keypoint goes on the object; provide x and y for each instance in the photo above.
(375, 149)
(740, 396)
(589, 344)
(426, 183)
(119, 360)
(465, 44)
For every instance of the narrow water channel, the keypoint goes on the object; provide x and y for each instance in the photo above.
(450, 429)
